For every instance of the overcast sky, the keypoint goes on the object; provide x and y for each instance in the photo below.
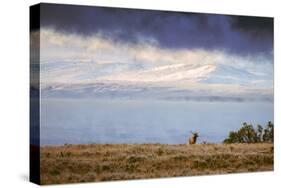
(86, 44)
(237, 34)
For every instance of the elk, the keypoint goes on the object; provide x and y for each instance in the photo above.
(193, 138)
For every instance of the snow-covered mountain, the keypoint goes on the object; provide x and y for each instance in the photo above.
(165, 73)
(225, 74)
(142, 80)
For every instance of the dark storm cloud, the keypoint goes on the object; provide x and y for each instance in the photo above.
(236, 34)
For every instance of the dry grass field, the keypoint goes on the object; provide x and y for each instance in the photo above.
(102, 162)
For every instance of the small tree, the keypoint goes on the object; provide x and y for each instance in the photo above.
(268, 135)
(247, 134)
(260, 133)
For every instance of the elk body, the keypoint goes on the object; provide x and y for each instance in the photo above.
(193, 138)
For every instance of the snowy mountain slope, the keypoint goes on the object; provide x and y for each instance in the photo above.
(226, 74)
(142, 80)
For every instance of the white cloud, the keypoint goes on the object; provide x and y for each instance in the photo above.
(56, 45)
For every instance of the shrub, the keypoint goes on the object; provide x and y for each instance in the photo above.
(248, 134)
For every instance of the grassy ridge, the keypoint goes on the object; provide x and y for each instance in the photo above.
(101, 162)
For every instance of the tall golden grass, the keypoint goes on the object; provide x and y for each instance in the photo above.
(103, 162)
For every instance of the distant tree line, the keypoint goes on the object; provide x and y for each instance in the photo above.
(248, 134)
